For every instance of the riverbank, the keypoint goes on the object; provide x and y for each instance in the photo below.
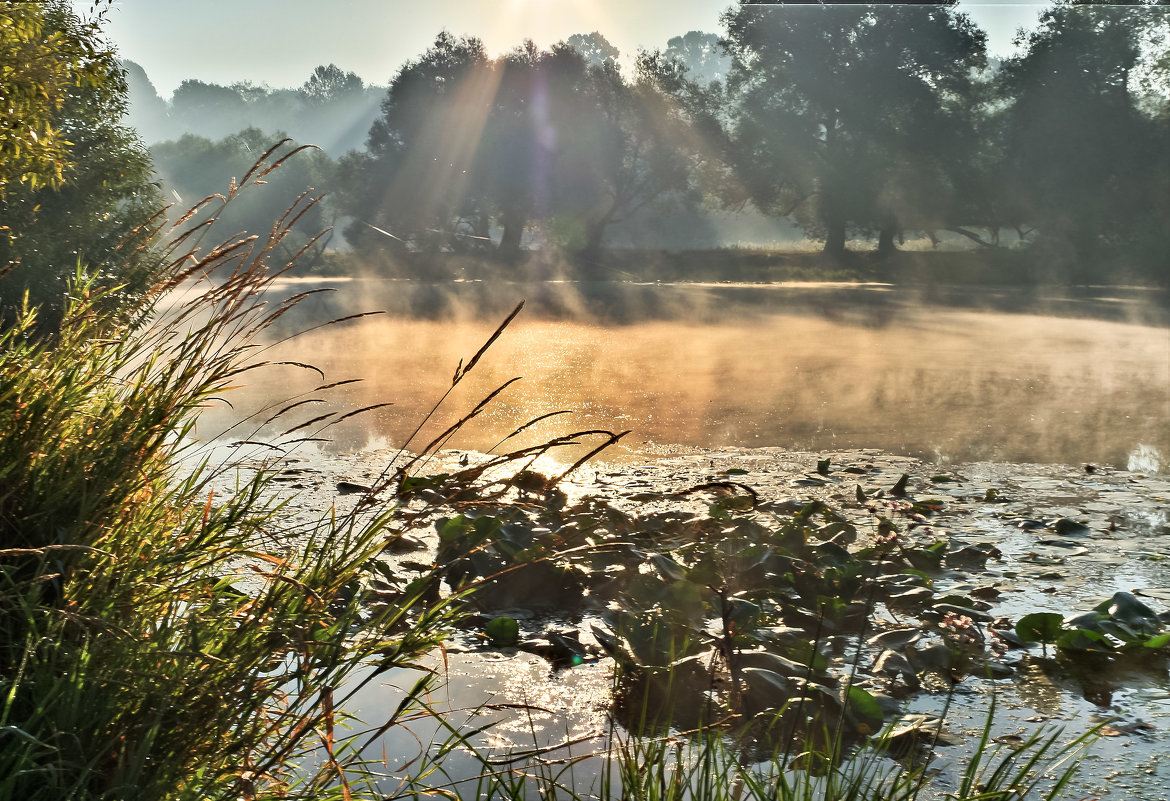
(967, 266)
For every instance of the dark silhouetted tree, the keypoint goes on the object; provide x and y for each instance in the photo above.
(1084, 161)
(851, 115)
(419, 180)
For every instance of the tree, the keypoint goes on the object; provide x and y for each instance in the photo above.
(329, 84)
(517, 143)
(595, 49)
(146, 112)
(849, 114)
(701, 54)
(44, 58)
(623, 146)
(420, 184)
(194, 167)
(1083, 161)
(100, 214)
(209, 109)
(334, 109)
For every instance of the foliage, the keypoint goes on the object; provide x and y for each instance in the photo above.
(193, 168)
(46, 55)
(1074, 96)
(102, 212)
(751, 656)
(554, 137)
(851, 114)
(332, 109)
(160, 639)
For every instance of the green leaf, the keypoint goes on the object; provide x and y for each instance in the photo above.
(865, 709)
(1158, 641)
(452, 528)
(1040, 627)
(1084, 640)
(503, 631)
(668, 568)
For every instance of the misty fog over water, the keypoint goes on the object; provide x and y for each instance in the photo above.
(944, 374)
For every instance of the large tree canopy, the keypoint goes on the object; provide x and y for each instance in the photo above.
(556, 136)
(1084, 159)
(97, 214)
(46, 53)
(851, 115)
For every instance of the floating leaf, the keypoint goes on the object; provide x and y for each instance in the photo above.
(670, 569)
(823, 466)
(742, 611)
(452, 528)
(503, 630)
(896, 639)
(1128, 609)
(1084, 640)
(1039, 627)
(766, 688)
(899, 489)
(861, 495)
(1158, 641)
(865, 710)
(1067, 527)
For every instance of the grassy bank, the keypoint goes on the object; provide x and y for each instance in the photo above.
(158, 640)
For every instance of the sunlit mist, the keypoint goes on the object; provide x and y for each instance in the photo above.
(713, 367)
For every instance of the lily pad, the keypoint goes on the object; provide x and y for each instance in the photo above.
(1040, 627)
(1067, 527)
(503, 631)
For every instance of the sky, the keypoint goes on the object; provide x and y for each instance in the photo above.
(279, 42)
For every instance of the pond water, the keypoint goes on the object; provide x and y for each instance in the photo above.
(965, 378)
(943, 374)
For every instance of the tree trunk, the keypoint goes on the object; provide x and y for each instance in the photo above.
(590, 256)
(886, 239)
(835, 236)
(513, 225)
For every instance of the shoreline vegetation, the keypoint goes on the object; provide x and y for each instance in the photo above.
(970, 267)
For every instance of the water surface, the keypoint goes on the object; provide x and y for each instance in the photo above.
(945, 374)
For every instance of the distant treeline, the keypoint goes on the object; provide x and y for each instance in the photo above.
(849, 126)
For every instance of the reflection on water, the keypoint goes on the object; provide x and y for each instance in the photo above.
(943, 374)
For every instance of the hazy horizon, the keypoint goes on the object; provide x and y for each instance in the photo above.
(279, 44)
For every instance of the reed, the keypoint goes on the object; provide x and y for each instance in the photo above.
(157, 639)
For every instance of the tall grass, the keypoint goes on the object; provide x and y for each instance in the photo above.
(157, 640)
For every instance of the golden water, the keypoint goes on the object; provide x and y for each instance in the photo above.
(956, 376)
